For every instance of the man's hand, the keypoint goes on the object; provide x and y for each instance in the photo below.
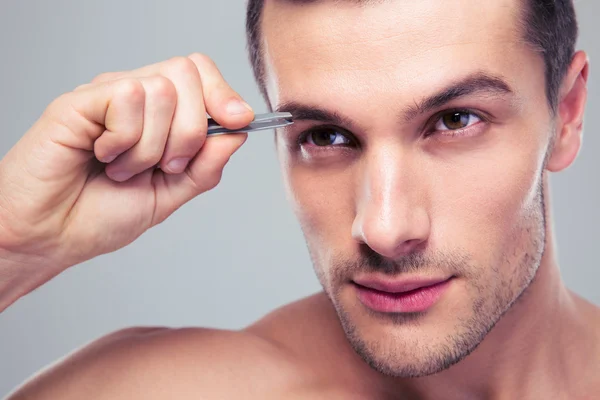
(108, 161)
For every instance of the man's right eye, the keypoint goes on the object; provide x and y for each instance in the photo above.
(325, 137)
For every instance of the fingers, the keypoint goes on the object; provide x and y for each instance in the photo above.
(206, 169)
(222, 102)
(124, 120)
(203, 173)
(95, 109)
(157, 115)
(189, 126)
(216, 91)
(158, 111)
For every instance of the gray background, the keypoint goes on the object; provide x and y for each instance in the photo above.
(232, 254)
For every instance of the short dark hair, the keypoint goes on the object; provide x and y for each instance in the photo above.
(549, 26)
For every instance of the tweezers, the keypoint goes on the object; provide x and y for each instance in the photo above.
(261, 122)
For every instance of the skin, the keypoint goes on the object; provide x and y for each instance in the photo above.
(470, 206)
(404, 197)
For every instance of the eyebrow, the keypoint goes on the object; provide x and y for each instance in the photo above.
(478, 83)
(304, 112)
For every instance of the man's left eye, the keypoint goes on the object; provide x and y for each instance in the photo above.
(456, 120)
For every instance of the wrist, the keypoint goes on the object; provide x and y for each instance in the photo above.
(21, 274)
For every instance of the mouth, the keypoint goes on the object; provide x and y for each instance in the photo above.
(401, 296)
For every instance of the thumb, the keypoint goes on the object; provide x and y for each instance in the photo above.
(203, 173)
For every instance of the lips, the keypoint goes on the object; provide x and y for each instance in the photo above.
(401, 296)
(398, 286)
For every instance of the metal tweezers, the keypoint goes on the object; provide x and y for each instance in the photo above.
(261, 122)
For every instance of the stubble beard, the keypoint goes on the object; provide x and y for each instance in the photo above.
(487, 309)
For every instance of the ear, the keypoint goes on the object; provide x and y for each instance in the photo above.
(569, 121)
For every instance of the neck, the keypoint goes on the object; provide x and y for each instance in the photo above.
(541, 348)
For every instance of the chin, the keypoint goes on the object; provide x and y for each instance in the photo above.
(411, 345)
(406, 354)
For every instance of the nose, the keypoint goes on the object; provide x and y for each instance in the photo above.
(391, 215)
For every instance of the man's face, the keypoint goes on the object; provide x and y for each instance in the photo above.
(416, 160)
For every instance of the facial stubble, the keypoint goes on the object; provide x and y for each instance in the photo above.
(392, 356)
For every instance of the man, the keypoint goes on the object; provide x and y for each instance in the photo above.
(418, 168)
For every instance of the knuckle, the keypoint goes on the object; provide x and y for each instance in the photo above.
(132, 136)
(222, 92)
(216, 177)
(211, 180)
(162, 87)
(182, 65)
(193, 135)
(201, 59)
(130, 89)
(148, 157)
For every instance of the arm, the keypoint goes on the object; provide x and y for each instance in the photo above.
(160, 363)
(97, 148)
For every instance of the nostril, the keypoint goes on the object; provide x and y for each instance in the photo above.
(392, 235)
(410, 246)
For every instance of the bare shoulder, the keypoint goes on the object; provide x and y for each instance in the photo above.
(153, 363)
(307, 326)
(311, 331)
(295, 352)
(312, 315)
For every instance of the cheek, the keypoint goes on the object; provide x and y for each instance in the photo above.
(483, 200)
(323, 201)
(476, 198)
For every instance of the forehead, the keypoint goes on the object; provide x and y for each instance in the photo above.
(341, 47)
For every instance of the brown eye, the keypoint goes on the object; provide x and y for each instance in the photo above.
(456, 120)
(326, 137)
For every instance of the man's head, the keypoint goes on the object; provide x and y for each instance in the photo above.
(423, 131)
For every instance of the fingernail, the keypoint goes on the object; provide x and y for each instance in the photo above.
(109, 159)
(121, 176)
(237, 107)
(178, 165)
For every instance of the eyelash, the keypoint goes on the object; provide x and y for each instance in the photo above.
(303, 138)
(429, 128)
(432, 123)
